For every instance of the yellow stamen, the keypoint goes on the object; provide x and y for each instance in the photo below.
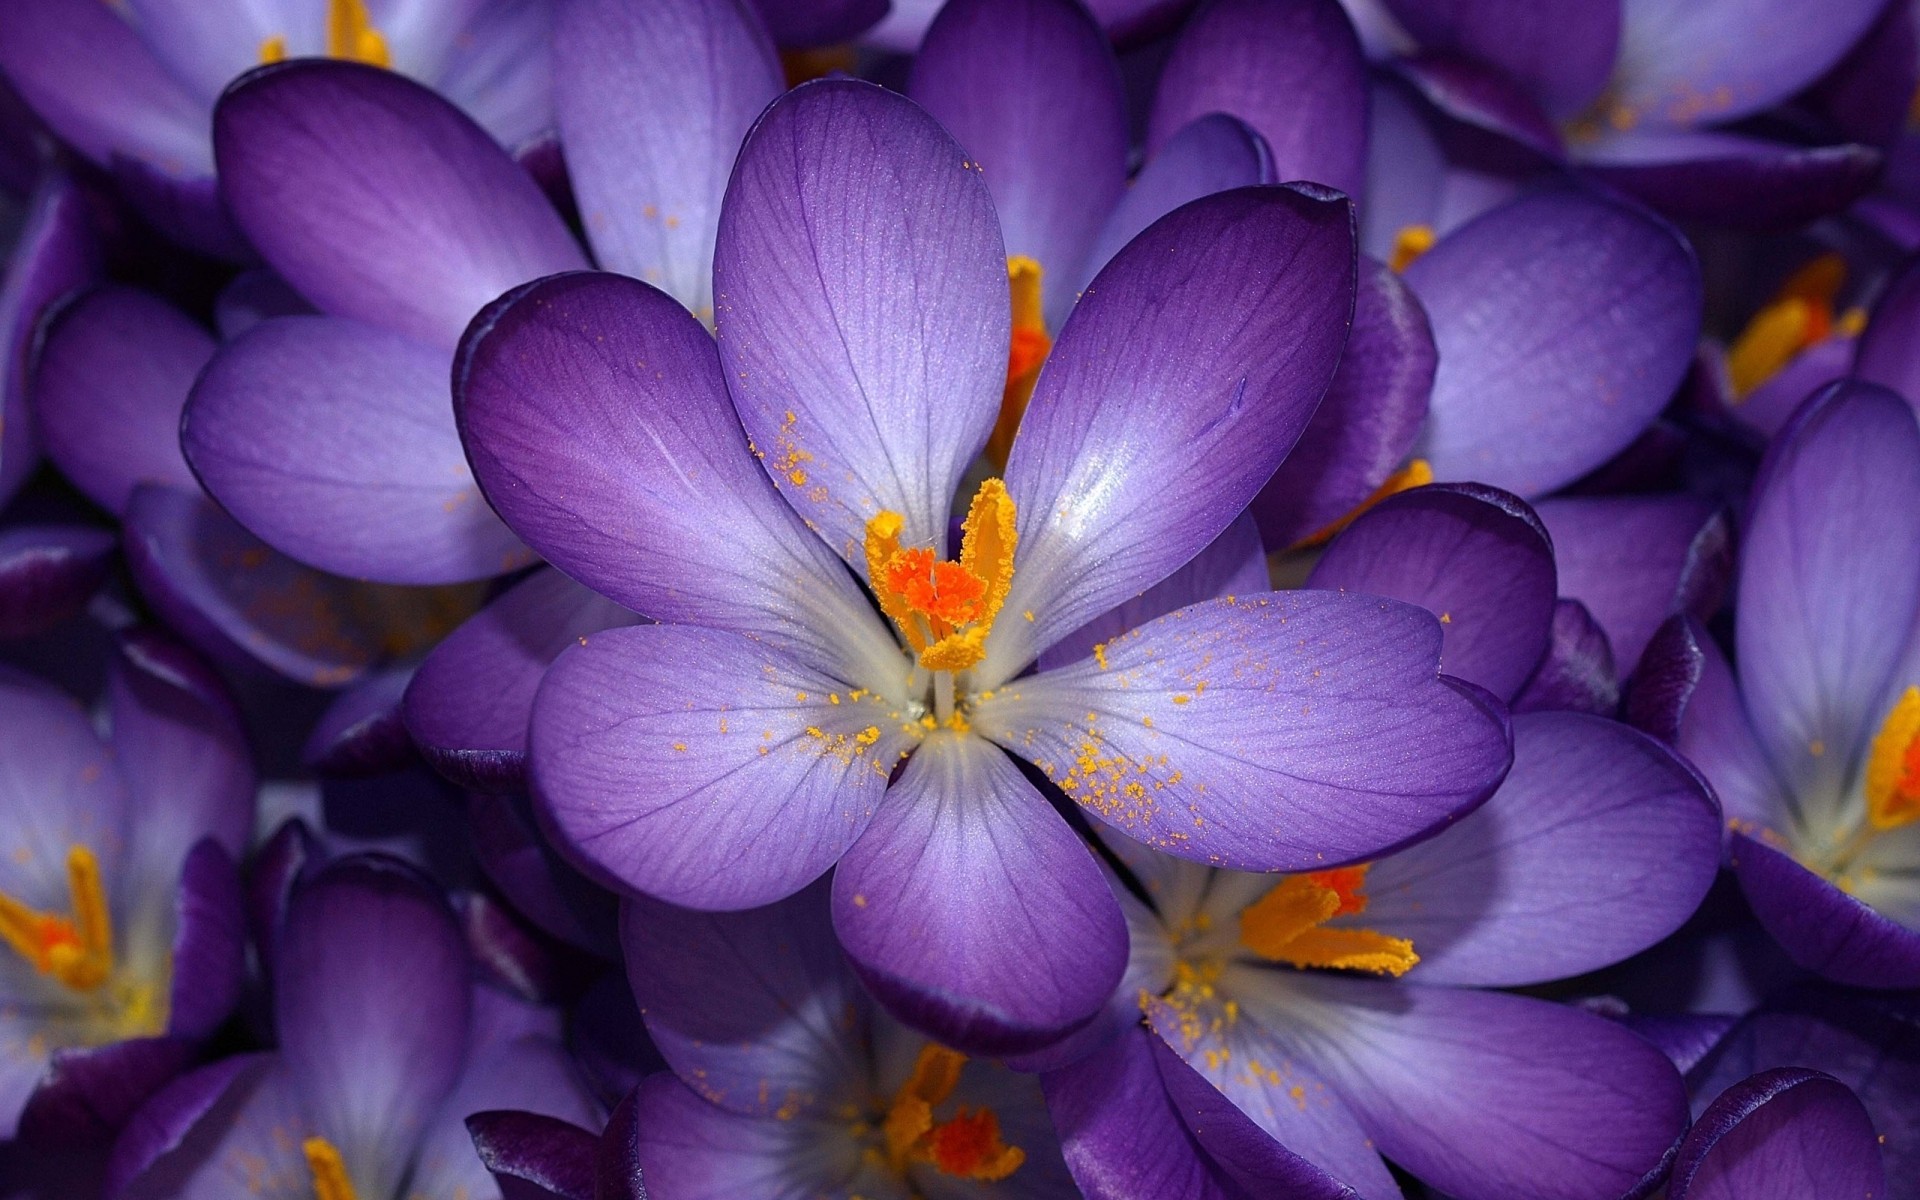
(351, 35)
(273, 49)
(1029, 349)
(967, 1146)
(1800, 315)
(1408, 245)
(1893, 766)
(1288, 925)
(77, 951)
(1418, 473)
(945, 609)
(329, 1172)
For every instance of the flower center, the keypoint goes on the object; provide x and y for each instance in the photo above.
(1030, 347)
(966, 1146)
(77, 950)
(1893, 766)
(1799, 316)
(1289, 925)
(350, 35)
(945, 609)
(328, 1169)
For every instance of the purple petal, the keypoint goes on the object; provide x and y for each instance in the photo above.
(1223, 732)
(971, 909)
(1577, 672)
(1600, 843)
(361, 732)
(688, 1149)
(1562, 51)
(819, 22)
(1785, 1133)
(1213, 153)
(113, 373)
(1684, 64)
(330, 439)
(1032, 91)
(1482, 1093)
(653, 101)
(1475, 557)
(1407, 165)
(52, 253)
(215, 1133)
(60, 789)
(1545, 375)
(1860, 97)
(367, 953)
(88, 1093)
(704, 767)
(1483, 98)
(1636, 560)
(1147, 436)
(534, 1156)
(1767, 407)
(537, 882)
(617, 1170)
(171, 1119)
(499, 69)
(756, 1011)
(862, 309)
(1828, 593)
(48, 573)
(1368, 422)
(1887, 351)
(637, 481)
(1291, 69)
(378, 200)
(1730, 178)
(529, 1073)
(254, 296)
(469, 703)
(283, 861)
(209, 942)
(1821, 927)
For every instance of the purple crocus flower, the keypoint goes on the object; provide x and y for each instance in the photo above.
(131, 86)
(385, 1046)
(862, 328)
(1814, 744)
(787, 1081)
(120, 912)
(1599, 843)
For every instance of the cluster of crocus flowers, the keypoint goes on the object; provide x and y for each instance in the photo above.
(954, 599)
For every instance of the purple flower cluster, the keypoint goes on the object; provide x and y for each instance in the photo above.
(951, 599)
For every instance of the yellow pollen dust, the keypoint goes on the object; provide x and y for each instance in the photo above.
(1799, 316)
(1893, 766)
(1408, 245)
(329, 1172)
(945, 609)
(350, 36)
(1288, 925)
(76, 950)
(1417, 473)
(1030, 347)
(966, 1146)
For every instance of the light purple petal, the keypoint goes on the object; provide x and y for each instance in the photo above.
(48, 573)
(53, 252)
(756, 1011)
(1634, 561)
(380, 201)
(1577, 673)
(331, 440)
(1828, 590)
(653, 101)
(1033, 93)
(221, 1133)
(1821, 927)
(60, 789)
(171, 1119)
(704, 767)
(499, 69)
(687, 1149)
(1561, 51)
(1154, 422)
(1482, 1093)
(1730, 178)
(1407, 165)
(1367, 424)
(1684, 64)
(371, 1000)
(1224, 732)
(1710, 725)
(1483, 98)
(973, 911)
(1599, 843)
(1476, 558)
(468, 705)
(1292, 69)
(636, 480)
(531, 1074)
(862, 309)
(1785, 1134)
(1545, 375)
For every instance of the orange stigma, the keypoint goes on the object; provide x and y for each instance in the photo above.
(1029, 349)
(76, 950)
(1288, 925)
(945, 609)
(1799, 316)
(350, 36)
(1893, 766)
(966, 1146)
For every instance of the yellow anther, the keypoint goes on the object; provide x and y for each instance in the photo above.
(945, 609)
(1800, 315)
(966, 1146)
(1893, 766)
(1418, 473)
(351, 35)
(1029, 348)
(77, 951)
(329, 1172)
(273, 49)
(1288, 925)
(1408, 245)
